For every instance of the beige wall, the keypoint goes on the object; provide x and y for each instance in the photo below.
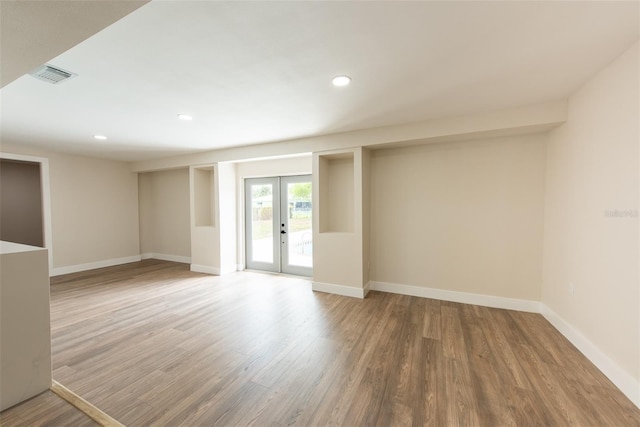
(164, 212)
(337, 193)
(592, 169)
(94, 207)
(298, 165)
(461, 217)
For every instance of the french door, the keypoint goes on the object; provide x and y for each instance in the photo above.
(278, 233)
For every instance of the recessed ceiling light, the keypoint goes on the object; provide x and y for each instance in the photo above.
(185, 117)
(341, 80)
(100, 137)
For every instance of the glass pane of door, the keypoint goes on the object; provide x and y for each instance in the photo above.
(296, 225)
(262, 216)
(262, 222)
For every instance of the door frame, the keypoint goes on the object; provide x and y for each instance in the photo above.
(46, 199)
(279, 206)
(285, 267)
(248, 231)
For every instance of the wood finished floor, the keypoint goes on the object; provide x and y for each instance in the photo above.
(151, 343)
(46, 409)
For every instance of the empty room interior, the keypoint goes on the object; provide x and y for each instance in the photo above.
(320, 213)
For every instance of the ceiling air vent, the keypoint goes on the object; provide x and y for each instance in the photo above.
(52, 75)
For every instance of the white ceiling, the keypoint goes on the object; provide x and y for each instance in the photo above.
(34, 31)
(253, 72)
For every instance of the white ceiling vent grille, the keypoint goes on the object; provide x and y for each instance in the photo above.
(52, 75)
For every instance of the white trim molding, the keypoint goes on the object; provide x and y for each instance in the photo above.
(231, 268)
(166, 257)
(216, 271)
(618, 376)
(330, 288)
(461, 297)
(58, 271)
(206, 269)
(367, 288)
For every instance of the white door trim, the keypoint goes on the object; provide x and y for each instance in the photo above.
(275, 206)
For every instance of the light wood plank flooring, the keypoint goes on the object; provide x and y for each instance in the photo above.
(151, 343)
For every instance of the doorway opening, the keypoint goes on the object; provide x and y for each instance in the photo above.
(21, 203)
(278, 224)
(39, 212)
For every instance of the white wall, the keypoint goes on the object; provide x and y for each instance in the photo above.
(164, 214)
(592, 172)
(463, 217)
(94, 210)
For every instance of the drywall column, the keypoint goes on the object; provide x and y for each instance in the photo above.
(25, 326)
(213, 218)
(226, 202)
(340, 261)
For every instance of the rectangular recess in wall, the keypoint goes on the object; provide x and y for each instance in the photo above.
(336, 193)
(203, 188)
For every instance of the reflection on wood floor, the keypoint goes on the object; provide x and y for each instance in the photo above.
(152, 343)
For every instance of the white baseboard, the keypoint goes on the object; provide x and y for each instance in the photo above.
(623, 380)
(58, 271)
(231, 268)
(367, 288)
(205, 269)
(330, 288)
(461, 297)
(166, 257)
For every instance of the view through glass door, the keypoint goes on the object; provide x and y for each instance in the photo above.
(278, 224)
